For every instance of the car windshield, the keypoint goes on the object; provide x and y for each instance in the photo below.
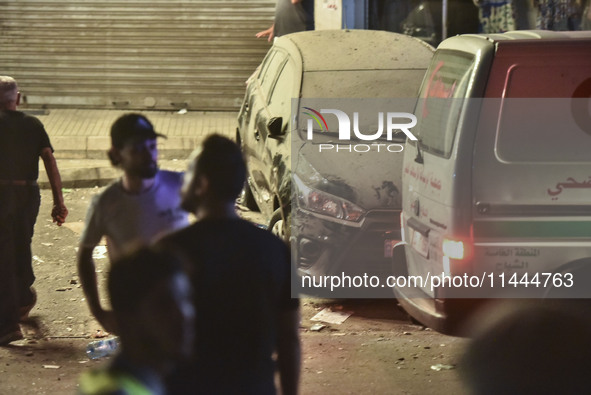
(381, 91)
(362, 83)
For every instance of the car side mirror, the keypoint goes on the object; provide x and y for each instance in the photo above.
(275, 127)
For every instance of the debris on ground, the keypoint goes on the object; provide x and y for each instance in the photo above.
(331, 317)
(439, 367)
(317, 327)
(99, 252)
(99, 334)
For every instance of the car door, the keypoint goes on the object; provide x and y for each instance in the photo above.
(251, 137)
(272, 136)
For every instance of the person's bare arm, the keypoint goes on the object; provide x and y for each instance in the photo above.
(288, 351)
(59, 212)
(87, 274)
(267, 33)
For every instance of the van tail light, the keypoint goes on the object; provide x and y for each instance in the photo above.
(456, 252)
(459, 248)
(454, 249)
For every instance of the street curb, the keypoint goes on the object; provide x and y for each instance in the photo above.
(96, 147)
(82, 178)
(88, 173)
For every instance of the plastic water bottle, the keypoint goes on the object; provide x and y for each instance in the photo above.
(102, 348)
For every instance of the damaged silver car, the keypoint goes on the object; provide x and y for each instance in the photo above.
(339, 210)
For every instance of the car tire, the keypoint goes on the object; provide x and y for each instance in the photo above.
(247, 198)
(279, 226)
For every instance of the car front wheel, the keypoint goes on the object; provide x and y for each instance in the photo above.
(247, 198)
(279, 226)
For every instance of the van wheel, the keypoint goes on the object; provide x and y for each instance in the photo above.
(280, 227)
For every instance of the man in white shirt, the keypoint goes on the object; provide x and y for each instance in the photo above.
(135, 210)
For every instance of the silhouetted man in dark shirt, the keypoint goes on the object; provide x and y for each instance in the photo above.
(241, 279)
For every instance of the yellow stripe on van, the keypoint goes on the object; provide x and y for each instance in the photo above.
(532, 229)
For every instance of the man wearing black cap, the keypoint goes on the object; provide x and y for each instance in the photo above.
(133, 211)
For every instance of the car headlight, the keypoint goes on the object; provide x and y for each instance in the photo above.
(326, 204)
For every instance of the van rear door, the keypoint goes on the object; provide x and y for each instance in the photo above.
(532, 158)
(437, 170)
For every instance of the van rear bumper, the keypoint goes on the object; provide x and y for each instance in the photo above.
(447, 316)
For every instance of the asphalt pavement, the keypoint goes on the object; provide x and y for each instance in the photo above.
(81, 139)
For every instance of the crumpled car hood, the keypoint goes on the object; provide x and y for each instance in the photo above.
(372, 180)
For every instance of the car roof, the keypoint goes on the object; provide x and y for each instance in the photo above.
(533, 35)
(512, 38)
(324, 50)
(474, 43)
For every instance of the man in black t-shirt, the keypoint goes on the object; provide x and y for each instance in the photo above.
(22, 141)
(241, 278)
(291, 16)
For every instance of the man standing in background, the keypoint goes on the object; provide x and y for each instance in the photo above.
(23, 140)
(291, 16)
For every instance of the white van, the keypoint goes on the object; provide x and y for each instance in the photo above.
(497, 190)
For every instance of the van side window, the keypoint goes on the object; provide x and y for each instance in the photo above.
(441, 99)
(544, 115)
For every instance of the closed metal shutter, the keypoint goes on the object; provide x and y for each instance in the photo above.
(133, 54)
